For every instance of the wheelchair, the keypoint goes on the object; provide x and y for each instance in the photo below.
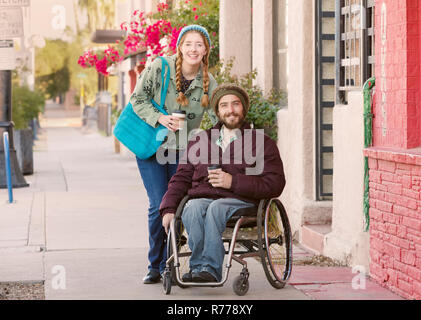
(264, 235)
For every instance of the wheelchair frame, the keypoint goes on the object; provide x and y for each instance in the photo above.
(241, 284)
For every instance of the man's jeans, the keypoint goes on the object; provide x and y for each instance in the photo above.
(205, 221)
(155, 179)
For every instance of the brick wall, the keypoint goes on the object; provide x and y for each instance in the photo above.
(395, 220)
(395, 158)
(397, 111)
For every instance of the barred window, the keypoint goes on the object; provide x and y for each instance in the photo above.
(355, 45)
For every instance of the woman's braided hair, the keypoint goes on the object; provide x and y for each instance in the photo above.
(181, 98)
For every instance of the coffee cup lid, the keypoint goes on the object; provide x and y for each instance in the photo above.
(179, 111)
(214, 167)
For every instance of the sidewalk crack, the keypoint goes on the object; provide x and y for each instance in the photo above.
(64, 176)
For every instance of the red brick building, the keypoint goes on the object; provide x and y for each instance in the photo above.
(395, 158)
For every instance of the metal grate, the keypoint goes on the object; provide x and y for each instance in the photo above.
(325, 96)
(354, 45)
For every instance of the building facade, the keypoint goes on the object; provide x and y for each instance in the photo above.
(293, 47)
(324, 51)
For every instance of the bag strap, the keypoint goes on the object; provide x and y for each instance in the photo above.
(165, 80)
(164, 87)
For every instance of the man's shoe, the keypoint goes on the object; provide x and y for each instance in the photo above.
(187, 277)
(203, 276)
(152, 277)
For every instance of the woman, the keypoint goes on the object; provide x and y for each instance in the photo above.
(190, 87)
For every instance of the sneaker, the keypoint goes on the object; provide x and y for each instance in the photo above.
(203, 276)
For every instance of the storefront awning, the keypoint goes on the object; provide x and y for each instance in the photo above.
(107, 36)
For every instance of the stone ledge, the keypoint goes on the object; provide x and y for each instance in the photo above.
(407, 156)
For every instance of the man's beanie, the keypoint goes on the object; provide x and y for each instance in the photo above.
(227, 88)
(194, 27)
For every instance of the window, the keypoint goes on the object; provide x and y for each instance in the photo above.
(325, 96)
(355, 45)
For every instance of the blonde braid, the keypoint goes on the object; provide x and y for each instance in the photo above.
(181, 98)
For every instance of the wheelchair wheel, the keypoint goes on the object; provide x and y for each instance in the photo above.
(240, 285)
(166, 281)
(275, 242)
(182, 251)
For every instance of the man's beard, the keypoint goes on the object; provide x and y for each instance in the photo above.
(234, 125)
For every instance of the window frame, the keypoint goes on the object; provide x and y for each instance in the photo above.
(347, 78)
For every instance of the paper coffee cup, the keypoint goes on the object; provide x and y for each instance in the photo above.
(181, 115)
(214, 167)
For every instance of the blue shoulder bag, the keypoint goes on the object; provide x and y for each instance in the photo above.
(138, 136)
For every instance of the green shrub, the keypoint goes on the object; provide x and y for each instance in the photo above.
(263, 110)
(26, 105)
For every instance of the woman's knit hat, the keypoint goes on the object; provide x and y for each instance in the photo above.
(194, 27)
(228, 88)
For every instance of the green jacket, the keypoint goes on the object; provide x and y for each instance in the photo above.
(148, 87)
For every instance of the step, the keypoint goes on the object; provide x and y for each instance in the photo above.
(313, 236)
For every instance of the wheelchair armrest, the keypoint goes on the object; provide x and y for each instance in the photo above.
(180, 207)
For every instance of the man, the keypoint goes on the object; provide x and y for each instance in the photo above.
(216, 195)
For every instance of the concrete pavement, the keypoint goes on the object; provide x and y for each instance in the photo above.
(81, 227)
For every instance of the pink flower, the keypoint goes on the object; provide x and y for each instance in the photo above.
(140, 33)
(101, 66)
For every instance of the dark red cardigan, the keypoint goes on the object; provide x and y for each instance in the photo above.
(192, 175)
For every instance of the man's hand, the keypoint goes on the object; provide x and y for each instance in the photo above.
(220, 179)
(166, 220)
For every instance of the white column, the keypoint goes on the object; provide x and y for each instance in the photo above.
(263, 43)
(296, 129)
(235, 30)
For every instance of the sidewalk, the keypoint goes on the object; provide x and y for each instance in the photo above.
(83, 219)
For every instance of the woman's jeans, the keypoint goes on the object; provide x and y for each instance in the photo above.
(205, 221)
(155, 178)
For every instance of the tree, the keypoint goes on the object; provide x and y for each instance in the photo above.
(107, 14)
(52, 74)
(91, 8)
(101, 13)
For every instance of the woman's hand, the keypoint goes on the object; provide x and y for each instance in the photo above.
(169, 122)
(166, 220)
